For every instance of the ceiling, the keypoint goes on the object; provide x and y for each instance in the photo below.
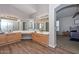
(22, 11)
(70, 11)
(28, 9)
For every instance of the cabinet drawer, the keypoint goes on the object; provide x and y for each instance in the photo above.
(40, 38)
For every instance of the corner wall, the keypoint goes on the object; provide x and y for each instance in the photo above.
(52, 25)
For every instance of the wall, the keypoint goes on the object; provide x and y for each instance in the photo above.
(52, 28)
(65, 24)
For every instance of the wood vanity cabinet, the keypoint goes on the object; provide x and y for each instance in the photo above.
(40, 38)
(9, 38)
(2, 39)
(13, 37)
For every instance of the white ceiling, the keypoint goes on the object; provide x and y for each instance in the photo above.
(28, 9)
(66, 12)
(22, 11)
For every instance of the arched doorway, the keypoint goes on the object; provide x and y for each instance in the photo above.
(63, 24)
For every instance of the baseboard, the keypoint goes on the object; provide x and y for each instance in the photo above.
(52, 46)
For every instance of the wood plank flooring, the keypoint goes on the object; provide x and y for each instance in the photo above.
(30, 47)
(67, 44)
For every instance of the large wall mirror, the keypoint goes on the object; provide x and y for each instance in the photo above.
(42, 24)
(28, 25)
(7, 25)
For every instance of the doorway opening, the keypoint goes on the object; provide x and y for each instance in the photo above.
(67, 27)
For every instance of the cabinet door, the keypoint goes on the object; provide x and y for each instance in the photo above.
(13, 37)
(2, 39)
(10, 37)
(43, 39)
(18, 36)
(33, 36)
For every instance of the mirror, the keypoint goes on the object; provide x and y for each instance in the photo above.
(28, 25)
(42, 24)
(7, 25)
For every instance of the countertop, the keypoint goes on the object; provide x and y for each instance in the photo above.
(45, 33)
(24, 31)
(28, 32)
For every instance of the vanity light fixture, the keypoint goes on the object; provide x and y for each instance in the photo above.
(9, 17)
(18, 20)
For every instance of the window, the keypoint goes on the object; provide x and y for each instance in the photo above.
(57, 25)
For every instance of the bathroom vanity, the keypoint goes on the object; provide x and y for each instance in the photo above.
(25, 34)
(41, 34)
(41, 38)
(8, 38)
(24, 29)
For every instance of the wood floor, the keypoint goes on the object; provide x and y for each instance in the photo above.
(67, 44)
(30, 47)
